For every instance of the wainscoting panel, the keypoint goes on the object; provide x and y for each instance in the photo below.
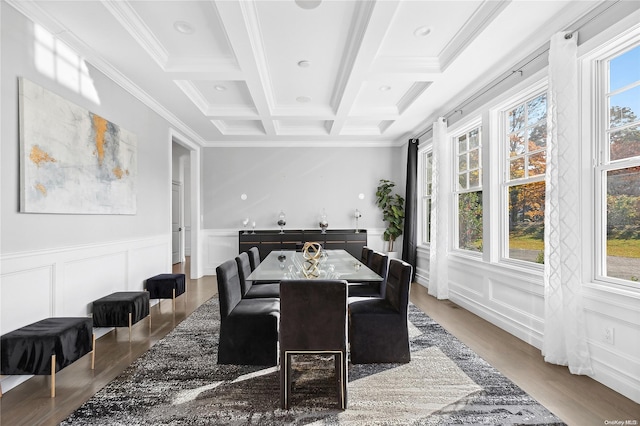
(612, 316)
(219, 246)
(64, 282)
(25, 295)
(86, 280)
(149, 260)
(460, 281)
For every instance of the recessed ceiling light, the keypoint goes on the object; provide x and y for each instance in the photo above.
(384, 88)
(303, 99)
(304, 64)
(183, 27)
(220, 88)
(308, 4)
(422, 32)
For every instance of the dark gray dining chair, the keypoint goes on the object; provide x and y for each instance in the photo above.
(249, 290)
(378, 327)
(364, 257)
(248, 327)
(378, 263)
(313, 320)
(254, 257)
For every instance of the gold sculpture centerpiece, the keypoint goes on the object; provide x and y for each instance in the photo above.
(312, 253)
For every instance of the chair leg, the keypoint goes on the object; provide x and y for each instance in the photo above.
(93, 351)
(338, 372)
(53, 376)
(345, 378)
(341, 378)
(285, 380)
(130, 326)
(340, 365)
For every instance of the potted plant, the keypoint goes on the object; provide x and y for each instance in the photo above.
(392, 206)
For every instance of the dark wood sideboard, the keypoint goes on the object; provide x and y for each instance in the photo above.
(269, 240)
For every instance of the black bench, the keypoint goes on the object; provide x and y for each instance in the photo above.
(121, 309)
(47, 346)
(166, 286)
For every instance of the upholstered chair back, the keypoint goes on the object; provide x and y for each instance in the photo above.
(254, 257)
(313, 315)
(229, 291)
(378, 263)
(398, 283)
(244, 270)
(366, 255)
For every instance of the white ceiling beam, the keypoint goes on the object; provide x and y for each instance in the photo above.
(367, 35)
(241, 24)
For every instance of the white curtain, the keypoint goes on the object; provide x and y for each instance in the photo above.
(441, 188)
(564, 327)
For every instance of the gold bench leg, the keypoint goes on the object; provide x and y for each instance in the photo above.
(174, 300)
(129, 326)
(93, 351)
(53, 376)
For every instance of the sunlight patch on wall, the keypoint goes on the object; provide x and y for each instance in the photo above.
(59, 62)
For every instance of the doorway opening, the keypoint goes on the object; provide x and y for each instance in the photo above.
(185, 203)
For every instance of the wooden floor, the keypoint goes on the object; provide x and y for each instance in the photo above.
(577, 400)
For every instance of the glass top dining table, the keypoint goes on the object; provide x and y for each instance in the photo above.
(334, 264)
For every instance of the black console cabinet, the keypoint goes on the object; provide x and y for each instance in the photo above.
(267, 241)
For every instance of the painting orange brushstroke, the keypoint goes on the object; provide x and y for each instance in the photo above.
(118, 172)
(41, 188)
(38, 156)
(100, 124)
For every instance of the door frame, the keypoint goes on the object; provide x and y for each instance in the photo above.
(180, 222)
(196, 269)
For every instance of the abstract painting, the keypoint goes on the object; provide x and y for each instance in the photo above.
(72, 160)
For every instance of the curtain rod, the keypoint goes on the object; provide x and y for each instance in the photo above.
(520, 68)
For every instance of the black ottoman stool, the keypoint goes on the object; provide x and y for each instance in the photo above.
(166, 286)
(47, 346)
(121, 309)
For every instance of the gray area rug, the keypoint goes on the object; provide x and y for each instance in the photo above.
(177, 382)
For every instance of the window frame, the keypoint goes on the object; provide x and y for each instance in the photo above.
(454, 135)
(601, 161)
(500, 122)
(423, 214)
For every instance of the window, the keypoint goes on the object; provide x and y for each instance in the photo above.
(427, 162)
(468, 190)
(619, 166)
(525, 127)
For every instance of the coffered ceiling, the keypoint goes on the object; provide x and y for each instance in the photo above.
(261, 72)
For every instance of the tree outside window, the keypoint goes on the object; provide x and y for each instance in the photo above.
(469, 190)
(620, 166)
(526, 137)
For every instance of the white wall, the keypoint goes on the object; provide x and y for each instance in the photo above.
(300, 182)
(54, 265)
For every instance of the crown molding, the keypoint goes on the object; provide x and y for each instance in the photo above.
(130, 21)
(476, 23)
